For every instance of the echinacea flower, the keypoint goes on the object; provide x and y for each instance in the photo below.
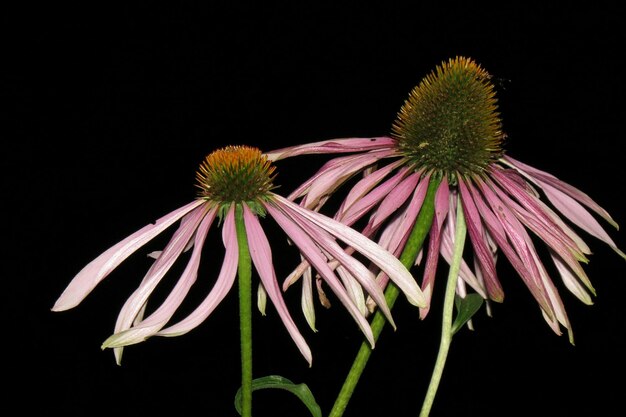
(230, 179)
(449, 130)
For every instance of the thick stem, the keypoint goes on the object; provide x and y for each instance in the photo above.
(412, 248)
(448, 308)
(245, 312)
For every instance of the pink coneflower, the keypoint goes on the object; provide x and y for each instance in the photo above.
(236, 181)
(449, 130)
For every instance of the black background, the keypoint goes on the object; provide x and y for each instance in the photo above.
(112, 107)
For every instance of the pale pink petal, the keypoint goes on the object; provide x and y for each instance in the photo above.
(351, 271)
(395, 199)
(382, 258)
(542, 178)
(311, 252)
(329, 180)
(394, 190)
(397, 231)
(135, 303)
(570, 280)
(364, 186)
(512, 231)
(447, 249)
(478, 237)
(222, 286)
(332, 146)
(89, 277)
(153, 323)
(434, 242)
(577, 214)
(354, 288)
(261, 255)
(542, 220)
(555, 300)
(542, 225)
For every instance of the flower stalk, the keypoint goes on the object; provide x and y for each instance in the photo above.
(408, 256)
(448, 308)
(245, 312)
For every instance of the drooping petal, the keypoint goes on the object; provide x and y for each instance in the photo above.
(542, 179)
(328, 180)
(434, 242)
(395, 185)
(222, 286)
(314, 256)
(365, 185)
(570, 280)
(89, 277)
(306, 301)
(480, 244)
(382, 258)
(447, 249)
(540, 223)
(153, 323)
(136, 302)
(397, 231)
(332, 146)
(505, 228)
(351, 271)
(576, 213)
(396, 197)
(261, 255)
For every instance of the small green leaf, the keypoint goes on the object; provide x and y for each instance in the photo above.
(276, 381)
(466, 308)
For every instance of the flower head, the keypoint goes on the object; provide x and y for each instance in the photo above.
(449, 130)
(235, 177)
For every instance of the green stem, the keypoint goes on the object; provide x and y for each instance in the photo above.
(412, 248)
(245, 312)
(448, 307)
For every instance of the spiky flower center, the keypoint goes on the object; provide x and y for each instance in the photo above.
(235, 174)
(450, 124)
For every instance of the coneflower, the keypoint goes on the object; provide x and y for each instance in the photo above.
(235, 184)
(444, 162)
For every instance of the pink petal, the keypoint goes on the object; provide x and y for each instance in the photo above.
(382, 258)
(513, 231)
(541, 224)
(365, 185)
(152, 324)
(329, 180)
(89, 277)
(333, 146)
(570, 280)
(355, 270)
(261, 254)
(222, 286)
(432, 257)
(395, 199)
(542, 179)
(314, 256)
(135, 303)
(479, 243)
